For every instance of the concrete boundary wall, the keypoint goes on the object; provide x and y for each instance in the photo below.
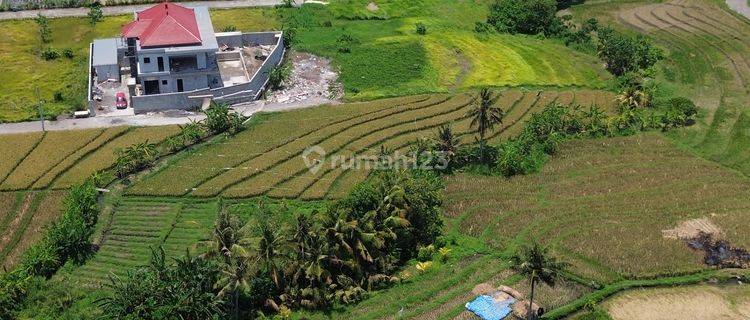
(169, 101)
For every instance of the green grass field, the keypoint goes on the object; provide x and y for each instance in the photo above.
(261, 161)
(388, 58)
(59, 159)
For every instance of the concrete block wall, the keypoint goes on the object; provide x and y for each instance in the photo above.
(168, 101)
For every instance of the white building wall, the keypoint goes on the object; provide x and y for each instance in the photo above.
(153, 63)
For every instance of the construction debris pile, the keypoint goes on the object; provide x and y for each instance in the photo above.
(311, 77)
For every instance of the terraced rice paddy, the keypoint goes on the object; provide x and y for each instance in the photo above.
(603, 204)
(262, 161)
(23, 217)
(60, 159)
(141, 224)
(708, 60)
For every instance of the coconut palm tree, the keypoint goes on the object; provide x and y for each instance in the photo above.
(227, 235)
(267, 244)
(484, 116)
(447, 142)
(633, 98)
(234, 277)
(537, 265)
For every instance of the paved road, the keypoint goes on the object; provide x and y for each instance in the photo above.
(740, 6)
(118, 10)
(172, 117)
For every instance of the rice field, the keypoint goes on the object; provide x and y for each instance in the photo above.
(59, 159)
(23, 217)
(138, 224)
(602, 204)
(708, 60)
(266, 159)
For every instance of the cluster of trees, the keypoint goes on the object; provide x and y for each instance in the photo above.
(314, 261)
(544, 131)
(64, 240)
(621, 52)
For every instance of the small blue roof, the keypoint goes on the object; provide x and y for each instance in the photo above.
(105, 52)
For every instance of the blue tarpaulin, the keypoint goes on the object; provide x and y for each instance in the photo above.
(488, 309)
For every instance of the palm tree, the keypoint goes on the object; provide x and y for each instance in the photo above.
(226, 236)
(538, 266)
(234, 276)
(633, 98)
(484, 116)
(267, 245)
(447, 142)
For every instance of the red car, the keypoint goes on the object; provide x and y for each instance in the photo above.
(120, 101)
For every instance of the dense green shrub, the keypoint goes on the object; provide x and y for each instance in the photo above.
(524, 16)
(135, 158)
(277, 75)
(50, 54)
(420, 28)
(181, 290)
(625, 53)
(68, 53)
(220, 119)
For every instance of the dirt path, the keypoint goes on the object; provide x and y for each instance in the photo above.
(740, 6)
(129, 9)
(465, 68)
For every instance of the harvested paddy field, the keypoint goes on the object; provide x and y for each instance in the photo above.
(729, 302)
(603, 204)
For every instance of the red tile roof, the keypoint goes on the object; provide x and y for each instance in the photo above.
(165, 24)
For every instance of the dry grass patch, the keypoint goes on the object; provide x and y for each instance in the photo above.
(686, 303)
(104, 156)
